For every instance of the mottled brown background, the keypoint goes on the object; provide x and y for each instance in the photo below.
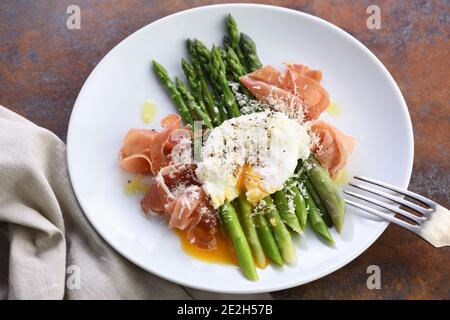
(43, 66)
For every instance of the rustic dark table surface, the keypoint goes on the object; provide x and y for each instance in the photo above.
(43, 65)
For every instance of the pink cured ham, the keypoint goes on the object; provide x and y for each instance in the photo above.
(298, 86)
(301, 70)
(333, 146)
(267, 74)
(134, 154)
(313, 95)
(282, 100)
(162, 185)
(147, 151)
(175, 193)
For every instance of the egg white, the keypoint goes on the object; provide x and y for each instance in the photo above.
(252, 154)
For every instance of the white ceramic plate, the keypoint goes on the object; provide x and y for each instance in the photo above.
(108, 105)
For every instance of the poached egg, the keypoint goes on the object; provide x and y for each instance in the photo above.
(252, 154)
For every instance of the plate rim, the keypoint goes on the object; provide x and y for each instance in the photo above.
(330, 268)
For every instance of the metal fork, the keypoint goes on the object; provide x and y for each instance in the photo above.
(432, 223)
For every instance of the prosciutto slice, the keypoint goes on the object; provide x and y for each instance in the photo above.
(147, 151)
(313, 95)
(175, 193)
(296, 87)
(279, 99)
(332, 148)
(301, 70)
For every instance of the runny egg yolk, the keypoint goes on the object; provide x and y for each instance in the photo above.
(249, 183)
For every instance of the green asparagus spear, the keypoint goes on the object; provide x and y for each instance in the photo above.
(248, 225)
(234, 230)
(235, 37)
(299, 203)
(312, 191)
(266, 238)
(316, 220)
(191, 103)
(193, 80)
(226, 42)
(249, 50)
(281, 233)
(227, 212)
(300, 207)
(208, 98)
(223, 54)
(236, 69)
(173, 92)
(287, 210)
(218, 74)
(204, 57)
(327, 191)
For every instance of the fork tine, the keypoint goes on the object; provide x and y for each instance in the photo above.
(408, 193)
(391, 197)
(404, 213)
(384, 216)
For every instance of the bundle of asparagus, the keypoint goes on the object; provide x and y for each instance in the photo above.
(261, 231)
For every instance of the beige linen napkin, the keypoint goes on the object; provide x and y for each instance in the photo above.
(48, 250)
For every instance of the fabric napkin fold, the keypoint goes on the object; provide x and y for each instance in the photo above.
(48, 249)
